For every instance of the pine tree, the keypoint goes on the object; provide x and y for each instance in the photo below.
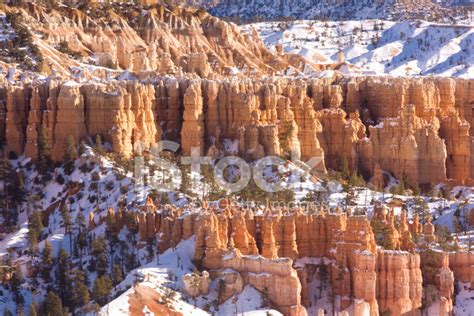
(70, 150)
(44, 150)
(15, 282)
(47, 261)
(101, 290)
(63, 276)
(33, 310)
(416, 190)
(110, 222)
(53, 305)
(16, 194)
(5, 172)
(70, 154)
(346, 172)
(33, 243)
(7, 312)
(81, 238)
(100, 256)
(17, 187)
(35, 226)
(67, 222)
(356, 180)
(66, 219)
(323, 275)
(80, 292)
(117, 274)
(37, 221)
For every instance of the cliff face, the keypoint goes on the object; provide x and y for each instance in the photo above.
(281, 252)
(157, 38)
(399, 282)
(419, 128)
(273, 252)
(223, 89)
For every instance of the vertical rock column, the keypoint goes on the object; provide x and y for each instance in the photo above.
(70, 120)
(399, 282)
(192, 133)
(16, 118)
(34, 124)
(364, 282)
(142, 104)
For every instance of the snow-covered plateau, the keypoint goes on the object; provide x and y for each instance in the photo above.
(376, 46)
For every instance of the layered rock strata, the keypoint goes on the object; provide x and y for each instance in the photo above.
(421, 132)
(269, 251)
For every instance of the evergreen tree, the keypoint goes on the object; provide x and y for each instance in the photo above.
(35, 226)
(5, 172)
(47, 261)
(37, 221)
(53, 305)
(33, 310)
(15, 195)
(63, 276)
(15, 282)
(67, 222)
(117, 274)
(323, 275)
(345, 171)
(101, 290)
(80, 292)
(100, 256)
(111, 232)
(356, 180)
(32, 242)
(70, 150)
(416, 190)
(81, 238)
(44, 150)
(7, 312)
(70, 154)
(17, 188)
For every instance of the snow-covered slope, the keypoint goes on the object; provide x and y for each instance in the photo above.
(378, 46)
(97, 183)
(264, 10)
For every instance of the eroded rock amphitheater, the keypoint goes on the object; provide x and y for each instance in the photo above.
(413, 127)
(282, 252)
(138, 75)
(417, 127)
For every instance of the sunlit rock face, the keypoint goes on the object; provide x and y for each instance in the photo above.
(391, 124)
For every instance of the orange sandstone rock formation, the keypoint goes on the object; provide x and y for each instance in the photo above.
(426, 139)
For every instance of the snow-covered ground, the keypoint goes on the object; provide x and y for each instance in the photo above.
(113, 184)
(165, 273)
(102, 184)
(337, 10)
(377, 46)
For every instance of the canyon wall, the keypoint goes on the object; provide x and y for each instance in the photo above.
(160, 38)
(275, 251)
(281, 251)
(414, 128)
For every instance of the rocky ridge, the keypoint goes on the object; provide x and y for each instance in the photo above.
(102, 41)
(256, 10)
(280, 251)
(196, 80)
(416, 128)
